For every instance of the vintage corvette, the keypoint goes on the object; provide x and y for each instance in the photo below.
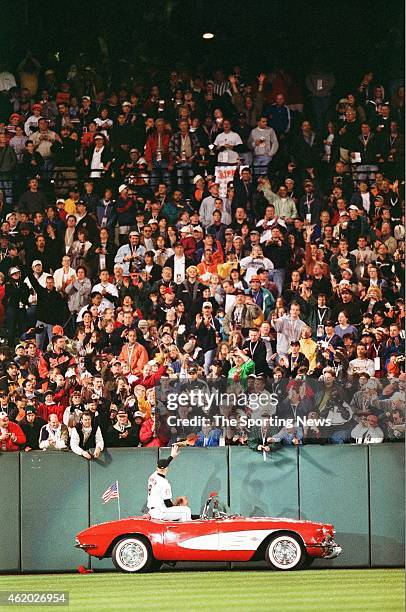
(141, 544)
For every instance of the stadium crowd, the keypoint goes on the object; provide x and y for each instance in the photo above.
(220, 233)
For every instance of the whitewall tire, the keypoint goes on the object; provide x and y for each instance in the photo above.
(285, 552)
(132, 554)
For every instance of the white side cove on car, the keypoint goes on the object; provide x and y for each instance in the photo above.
(231, 540)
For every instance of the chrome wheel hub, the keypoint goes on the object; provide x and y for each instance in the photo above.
(285, 552)
(132, 555)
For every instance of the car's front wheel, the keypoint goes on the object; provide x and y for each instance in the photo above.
(285, 552)
(133, 554)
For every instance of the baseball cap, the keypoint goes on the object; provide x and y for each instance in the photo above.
(212, 184)
(30, 410)
(353, 207)
(168, 291)
(121, 188)
(255, 278)
(138, 415)
(3, 415)
(152, 222)
(36, 107)
(121, 411)
(36, 262)
(162, 463)
(344, 213)
(198, 177)
(185, 229)
(14, 270)
(207, 305)
(197, 228)
(86, 98)
(126, 103)
(239, 292)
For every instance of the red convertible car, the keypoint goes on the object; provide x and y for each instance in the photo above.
(141, 544)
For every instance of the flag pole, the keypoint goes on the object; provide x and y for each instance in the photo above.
(118, 501)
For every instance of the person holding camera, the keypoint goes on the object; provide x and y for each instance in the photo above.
(243, 367)
(207, 329)
(15, 301)
(11, 434)
(264, 145)
(132, 252)
(367, 431)
(183, 148)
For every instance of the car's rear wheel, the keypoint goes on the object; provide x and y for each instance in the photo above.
(133, 554)
(285, 552)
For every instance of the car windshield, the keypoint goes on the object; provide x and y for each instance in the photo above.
(215, 508)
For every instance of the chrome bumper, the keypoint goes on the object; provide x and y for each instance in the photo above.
(83, 546)
(333, 551)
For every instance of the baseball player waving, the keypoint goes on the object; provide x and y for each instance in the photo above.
(160, 504)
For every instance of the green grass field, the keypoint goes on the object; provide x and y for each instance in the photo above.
(190, 591)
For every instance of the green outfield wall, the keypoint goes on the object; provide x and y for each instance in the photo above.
(47, 497)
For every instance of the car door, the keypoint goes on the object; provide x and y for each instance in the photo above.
(192, 540)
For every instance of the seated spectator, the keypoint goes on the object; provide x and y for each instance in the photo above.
(54, 435)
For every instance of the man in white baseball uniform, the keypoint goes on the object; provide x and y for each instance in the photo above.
(160, 504)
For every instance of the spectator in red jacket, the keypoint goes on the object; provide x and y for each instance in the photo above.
(49, 406)
(154, 432)
(11, 434)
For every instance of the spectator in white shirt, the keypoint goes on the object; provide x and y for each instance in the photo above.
(367, 431)
(361, 363)
(226, 143)
(107, 290)
(54, 435)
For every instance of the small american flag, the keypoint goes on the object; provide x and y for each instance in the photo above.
(111, 493)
